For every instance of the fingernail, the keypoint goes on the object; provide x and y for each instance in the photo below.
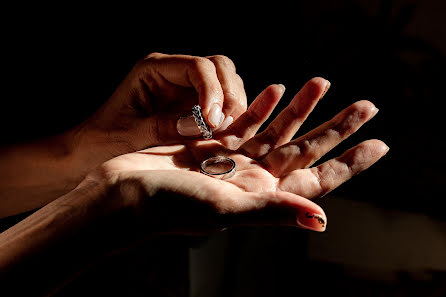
(327, 86)
(282, 87)
(216, 116)
(312, 221)
(374, 111)
(228, 121)
(186, 126)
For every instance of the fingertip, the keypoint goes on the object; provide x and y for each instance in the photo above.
(381, 146)
(274, 91)
(266, 100)
(309, 215)
(216, 116)
(365, 109)
(226, 123)
(319, 80)
(317, 87)
(210, 99)
(364, 154)
(310, 220)
(376, 144)
(282, 87)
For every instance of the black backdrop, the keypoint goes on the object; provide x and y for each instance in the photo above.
(61, 63)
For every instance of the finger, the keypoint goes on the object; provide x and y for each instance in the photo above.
(161, 129)
(188, 71)
(247, 125)
(320, 180)
(226, 123)
(307, 149)
(285, 125)
(200, 202)
(235, 101)
(276, 209)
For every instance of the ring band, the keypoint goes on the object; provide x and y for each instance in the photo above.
(218, 167)
(202, 126)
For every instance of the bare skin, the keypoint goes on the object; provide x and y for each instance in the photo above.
(274, 183)
(273, 171)
(142, 112)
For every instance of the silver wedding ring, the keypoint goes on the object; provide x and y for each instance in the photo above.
(218, 167)
(202, 126)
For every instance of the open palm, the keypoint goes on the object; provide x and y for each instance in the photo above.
(271, 168)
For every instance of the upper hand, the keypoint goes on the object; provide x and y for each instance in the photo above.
(144, 110)
(274, 182)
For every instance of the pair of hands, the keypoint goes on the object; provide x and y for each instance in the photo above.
(274, 182)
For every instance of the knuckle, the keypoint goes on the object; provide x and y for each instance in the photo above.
(307, 149)
(231, 99)
(361, 110)
(153, 55)
(201, 64)
(235, 97)
(330, 133)
(148, 61)
(223, 60)
(293, 111)
(307, 152)
(277, 161)
(325, 175)
(270, 135)
(354, 117)
(254, 116)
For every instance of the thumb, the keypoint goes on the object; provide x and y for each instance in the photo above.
(278, 208)
(162, 129)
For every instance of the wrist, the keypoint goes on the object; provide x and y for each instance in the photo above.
(88, 149)
(92, 145)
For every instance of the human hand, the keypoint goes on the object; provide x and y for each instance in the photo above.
(144, 110)
(274, 182)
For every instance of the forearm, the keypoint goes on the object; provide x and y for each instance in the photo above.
(53, 224)
(34, 174)
(55, 243)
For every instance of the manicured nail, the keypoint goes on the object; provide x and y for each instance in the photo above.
(186, 126)
(282, 87)
(327, 86)
(374, 111)
(228, 121)
(216, 116)
(312, 221)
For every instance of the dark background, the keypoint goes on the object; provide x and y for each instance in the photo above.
(61, 64)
